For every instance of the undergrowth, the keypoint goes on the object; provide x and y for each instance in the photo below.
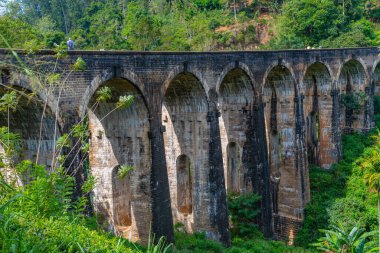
(340, 196)
(41, 217)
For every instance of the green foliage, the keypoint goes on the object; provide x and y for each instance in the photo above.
(160, 247)
(376, 104)
(10, 142)
(243, 210)
(337, 240)
(17, 33)
(125, 101)
(103, 94)
(353, 100)
(197, 242)
(79, 65)
(323, 23)
(124, 171)
(43, 208)
(8, 101)
(340, 196)
(63, 141)
(54, 38)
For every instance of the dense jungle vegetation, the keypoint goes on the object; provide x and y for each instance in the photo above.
(195, 25)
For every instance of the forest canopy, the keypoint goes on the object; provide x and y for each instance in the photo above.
(190, 25)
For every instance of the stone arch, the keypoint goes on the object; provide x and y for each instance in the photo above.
(33, 119)
(119, 138)
(105, 76)
(184, 116)
(184, 69)
(318, 113)
(281, 63)
(279, 98)
(236, 97)
(184, 184)
(236, 65)
(353, 80)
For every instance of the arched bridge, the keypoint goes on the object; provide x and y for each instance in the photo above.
(202, 125)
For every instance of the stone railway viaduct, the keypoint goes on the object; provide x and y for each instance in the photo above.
(202, 124)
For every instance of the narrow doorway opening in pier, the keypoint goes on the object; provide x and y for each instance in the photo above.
(184, 184)
(233, 172)
(121, 197)
(349, 112)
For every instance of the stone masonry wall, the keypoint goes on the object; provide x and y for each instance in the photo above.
(203, 124)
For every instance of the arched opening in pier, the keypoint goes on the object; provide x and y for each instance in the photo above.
(184, 185)
(235, 104)
(120, 158)
(233, 167)
(121, 197)
(184, 115)
(352, 84)
(318, 109)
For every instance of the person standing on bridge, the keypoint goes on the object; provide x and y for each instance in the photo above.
(70, 44)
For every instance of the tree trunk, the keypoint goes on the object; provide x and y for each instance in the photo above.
(235, 12)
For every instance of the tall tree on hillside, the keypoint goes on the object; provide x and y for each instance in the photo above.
(65, 13)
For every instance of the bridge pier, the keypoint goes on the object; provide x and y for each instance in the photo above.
(280, 111)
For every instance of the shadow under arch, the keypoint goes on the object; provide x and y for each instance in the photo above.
(107, 75)
(184, 69)
(184, 115)
(233, 66)
(288, 177)
(34, 121)
(119, 138)
(352, 82)
(318, 113)
(236, 97)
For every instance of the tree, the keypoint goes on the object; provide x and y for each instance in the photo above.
(18, 33)
(323, 23)
(147, 36)
(337, 240)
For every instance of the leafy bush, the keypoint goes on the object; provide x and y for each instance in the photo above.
(41, 216)
(243, 210)
(376, 104)
(353, 100)
(196, 242)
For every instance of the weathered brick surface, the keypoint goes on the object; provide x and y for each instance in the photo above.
(203, 124)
